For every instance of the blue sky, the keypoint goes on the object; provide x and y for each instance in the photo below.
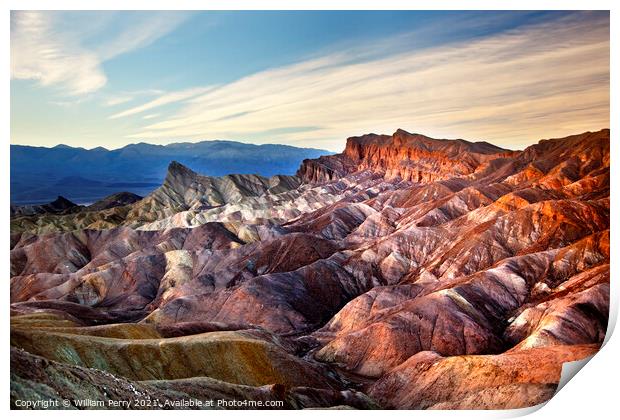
(305, 78)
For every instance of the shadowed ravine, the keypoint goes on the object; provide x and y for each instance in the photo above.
(405, 272)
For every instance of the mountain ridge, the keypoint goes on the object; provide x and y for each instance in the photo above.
(38, 173)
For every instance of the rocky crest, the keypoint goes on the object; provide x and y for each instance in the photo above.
(410, 157)
(476, 270)
(183, 189)
(59, 206)
(114, 200)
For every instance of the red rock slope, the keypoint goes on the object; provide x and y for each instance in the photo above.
(426, 273)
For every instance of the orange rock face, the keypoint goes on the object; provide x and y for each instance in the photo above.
(426, 273)
(513, 379)
(409, 157)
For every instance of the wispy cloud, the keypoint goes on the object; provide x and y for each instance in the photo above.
(511, 88)
(117, 100)
(39, 52)
(143, 31)
(165, 99)
(71, 102)
(45, 50)
(150, 116)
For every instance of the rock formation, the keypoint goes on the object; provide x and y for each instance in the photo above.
(114, 200)
(59, 206)
(474, 269)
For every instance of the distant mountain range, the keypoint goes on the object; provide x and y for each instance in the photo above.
(40, 174)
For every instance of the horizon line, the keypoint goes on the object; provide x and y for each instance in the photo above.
(296, 147)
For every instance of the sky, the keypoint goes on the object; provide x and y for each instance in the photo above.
(307, 79)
